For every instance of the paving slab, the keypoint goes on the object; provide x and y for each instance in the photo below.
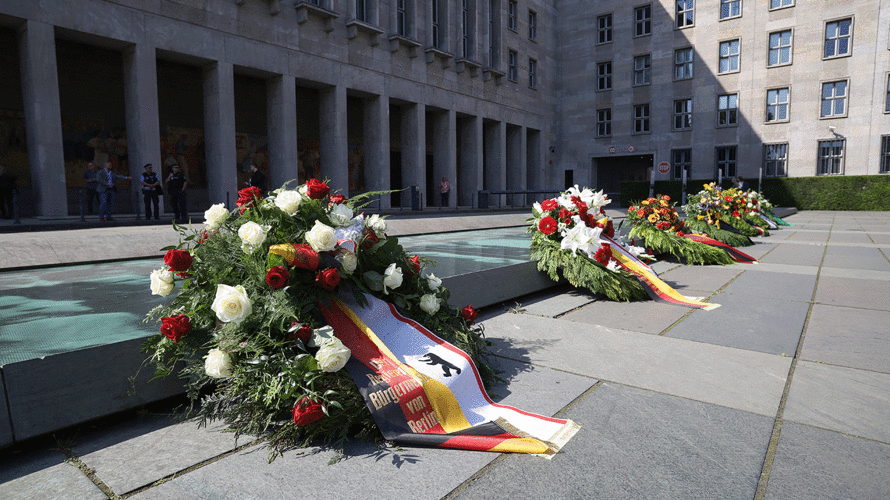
(709, 278)
(555, 301)
(879, 238)
(369, 470)
(641, 444)
(769, 267)
(842, 399)
(848, 257)
(841, 237)
(801, 234)
(643, 316)
(818, 464)
(745, 380)
(855, 338)
(800, 255)
(865, 274)
(754, 287)
(44, 474)
(869, 293)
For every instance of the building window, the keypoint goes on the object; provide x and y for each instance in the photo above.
(777, 105)
(683, 114)
(779, 4)
(532, 73)
(831, 157)
(643, 20)
(361, 11)
(512, 12)
(779, 48)
(729, 56)
(604, 76)
(726, 160)
(604, 122)
(643, 70)
(887, 100)
(775, 160)
(683, 64)
(437, 28)
(532, 25)
(834, 99)
(685, 13)
(465, 30)
(401, 18)
(681, 160)
(604, 29)
(641, 118)
(727, 110)
(885, 154)
(730, 9)
(838, 38)
(494, 34)
(512, 71)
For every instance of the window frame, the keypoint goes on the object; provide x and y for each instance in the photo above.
(645, 71)
(532, 73)
(776, 161)
(684, 115)
(777, 105)
(722, 3)
(532, 25)
(735, 121)
(645, 22)
(780, 7)
(884, 163)
(677, 166)
(513, 66)
(642, 119)
(402, 19)
(845, 99)
(821, 160)
(825, 39)
(738, 56)
(601, 30)
(513, 15)
(887, 97)
(690, 63)
(603, 122)
(677, 12)
(600, 76)
(769, 48)
(734, 162)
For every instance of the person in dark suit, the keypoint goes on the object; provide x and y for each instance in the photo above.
(258, 179)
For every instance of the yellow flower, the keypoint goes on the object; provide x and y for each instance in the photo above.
(644, 202)
(653, 218)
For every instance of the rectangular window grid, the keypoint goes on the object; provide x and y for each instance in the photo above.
(512, 72)
(604, 122)
(730, 8)
(643, 20)
(681, 159)
(779, 48)
(434, 19)
(885, 154)
(887, 102)
(683, 114)
(604, 29)
(643, 70)
(465, 29)
(683, 64)
(777, 105)
(834, 99)
(726, 160)
(729, 56)
(778, 4)
(831, 157)
(727, 110)
(775, 160)
(532, 73)
(604, 76)
(511, 14)
(401, 18)
(685, 13)
(641, 118)
(837, 38)
(532, 25)
(361, 10)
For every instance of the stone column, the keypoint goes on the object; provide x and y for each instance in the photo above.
(516, 163)
(281, 106)
(219, 134)
(43, 123)
(495, 145)
(470, 180)
(535, 162)
(445, 152)
(413, 132)
(332, 132)
(376, 171)
(141, 105)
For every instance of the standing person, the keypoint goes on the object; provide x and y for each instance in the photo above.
(107, 189)
(258, 179)
(89, 176)
(743, 184)
(150, 185)
(444, 189)
(176, 184)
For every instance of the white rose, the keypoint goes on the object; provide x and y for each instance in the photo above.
(433, 282)
(348, 260)
(321, 237)
(322, 336)
(340, 214)
(218, 364)
(332, 356)
(429, 303)
(161, 282)
(231, 304)
(252, 236)
(215, 216)
(377, 223)
(392, 277)
(289, 201)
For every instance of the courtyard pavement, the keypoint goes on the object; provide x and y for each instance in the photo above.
(781, 393)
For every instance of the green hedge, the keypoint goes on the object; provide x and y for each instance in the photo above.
(859, 192)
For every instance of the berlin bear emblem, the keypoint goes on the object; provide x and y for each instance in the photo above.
(434, 359)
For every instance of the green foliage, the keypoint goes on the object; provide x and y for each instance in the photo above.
(728, 237)
(693, 252)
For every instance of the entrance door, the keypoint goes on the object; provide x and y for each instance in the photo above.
(611, 170)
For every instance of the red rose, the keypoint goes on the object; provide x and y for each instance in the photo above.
(248, 197)
(548, 205)
(306, 412)
(547, 225)
(337, 199)
(328, 279)
(304, 257)
(304, 333)
(371, 238)
(174, 327)
(277, 277)
(415, 263)
(469, 314)
(316, 189)
(178, 260)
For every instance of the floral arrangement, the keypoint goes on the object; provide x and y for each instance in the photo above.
(722, 214)
(656, 222)
(575, 221)
(246, 332)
